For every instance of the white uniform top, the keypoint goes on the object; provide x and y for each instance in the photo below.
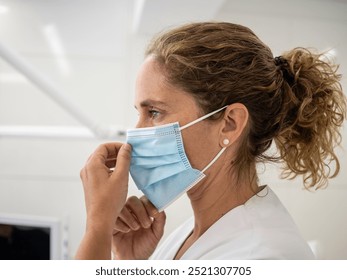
(259, 229)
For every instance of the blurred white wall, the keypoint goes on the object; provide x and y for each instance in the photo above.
(101, 50)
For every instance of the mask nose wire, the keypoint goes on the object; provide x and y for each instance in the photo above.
(201, 118)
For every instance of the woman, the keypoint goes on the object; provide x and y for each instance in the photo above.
(218, 88)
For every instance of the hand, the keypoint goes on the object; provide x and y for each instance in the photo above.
(105, 192)
(137, 230)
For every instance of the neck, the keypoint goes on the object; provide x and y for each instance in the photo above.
(216, 195)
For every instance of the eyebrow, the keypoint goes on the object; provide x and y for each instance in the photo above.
(151, 102)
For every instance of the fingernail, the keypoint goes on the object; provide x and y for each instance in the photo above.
(147, 224)
(136, 226)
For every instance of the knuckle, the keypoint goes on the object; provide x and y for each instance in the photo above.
(82, 173)
(100, 146)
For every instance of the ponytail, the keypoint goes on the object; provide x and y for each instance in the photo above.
(313, 110)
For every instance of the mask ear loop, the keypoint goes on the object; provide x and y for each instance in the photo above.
(214, 160)
(202, 118)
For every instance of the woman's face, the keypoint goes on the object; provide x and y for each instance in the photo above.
(159, 103)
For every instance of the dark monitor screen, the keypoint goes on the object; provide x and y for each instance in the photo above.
(19, 242)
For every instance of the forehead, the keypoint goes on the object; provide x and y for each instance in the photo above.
(151, 84)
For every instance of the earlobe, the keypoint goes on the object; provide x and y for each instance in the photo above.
(235, 121)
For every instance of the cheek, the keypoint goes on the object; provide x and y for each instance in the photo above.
(201, 145)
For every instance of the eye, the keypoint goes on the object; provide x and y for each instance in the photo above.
(153, 113)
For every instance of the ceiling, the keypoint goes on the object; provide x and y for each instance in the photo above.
(88, 51)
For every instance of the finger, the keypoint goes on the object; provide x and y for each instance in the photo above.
(111, 162)
(158, 224)
(112, 148)
(159, 218)
(105, 151)
(99, 159)
(150, 208)
(120, 226)
(129, 219)
(137, 208)
(123, 162)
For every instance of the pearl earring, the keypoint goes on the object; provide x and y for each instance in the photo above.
(226, 141)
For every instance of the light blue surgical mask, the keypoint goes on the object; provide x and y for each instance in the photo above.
(159, 165)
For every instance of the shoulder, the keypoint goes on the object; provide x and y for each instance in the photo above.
(260, 229)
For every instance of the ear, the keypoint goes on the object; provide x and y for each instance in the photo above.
(234, 123)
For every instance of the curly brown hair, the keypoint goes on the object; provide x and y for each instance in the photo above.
(295, 100)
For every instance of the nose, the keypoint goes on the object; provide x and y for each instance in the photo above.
(140, 123)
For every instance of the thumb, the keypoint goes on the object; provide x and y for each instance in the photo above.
(123, 161)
